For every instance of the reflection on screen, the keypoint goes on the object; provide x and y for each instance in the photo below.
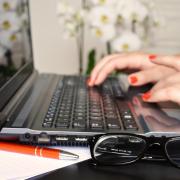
(161, 117)
(15, 49)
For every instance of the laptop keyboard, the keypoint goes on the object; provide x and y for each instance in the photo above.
(75, 105)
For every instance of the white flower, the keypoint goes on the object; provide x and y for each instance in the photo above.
(104, 2)
(101, 15)
(140, 31)
(105, 33)
(128, 41)
(147, 3)
(72, 20)
(72, 24)
(70, 30)
(157, 20)
(132, 10)
(63, 8)
(8, 39)
(9, 22)
(8, 5)
(80, 16)
(24, 19)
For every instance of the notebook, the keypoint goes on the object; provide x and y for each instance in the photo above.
(57, 109)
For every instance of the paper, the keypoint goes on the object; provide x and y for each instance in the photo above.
(16, 166)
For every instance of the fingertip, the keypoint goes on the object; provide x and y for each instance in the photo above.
(94, 75)
(97, 82)
(89, 82)
(100, 78)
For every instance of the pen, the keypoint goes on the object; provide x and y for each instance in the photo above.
(37, 151)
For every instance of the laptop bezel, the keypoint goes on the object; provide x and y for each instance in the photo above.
(9, 89)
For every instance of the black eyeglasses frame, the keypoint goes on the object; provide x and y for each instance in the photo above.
(149, 140)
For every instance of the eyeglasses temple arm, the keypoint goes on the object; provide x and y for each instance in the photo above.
(151, 157)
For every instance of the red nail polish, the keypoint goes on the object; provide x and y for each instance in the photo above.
(146, 96)
(152, 57)
(133, 79)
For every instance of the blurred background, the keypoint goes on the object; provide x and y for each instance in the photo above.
(56, 54)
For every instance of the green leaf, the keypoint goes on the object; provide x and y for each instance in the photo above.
(91, 61)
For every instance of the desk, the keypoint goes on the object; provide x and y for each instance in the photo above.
(142, 170)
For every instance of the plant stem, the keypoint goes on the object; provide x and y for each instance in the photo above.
(81, 50)
(134, 26)
(108, 47)
(81, 41)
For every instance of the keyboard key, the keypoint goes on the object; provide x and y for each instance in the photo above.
(113, 126)
(80, 118)
(63, 119)
(77, 114)
(96, 125)
(96, 118)
(130, 126)
(75, 103)
(111, 116)
(79, 124)
(95, 110)
(47, 125)
(62, 124)
(95, 114)
(113, 123)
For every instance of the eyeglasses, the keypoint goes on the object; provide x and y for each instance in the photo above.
(121, 149)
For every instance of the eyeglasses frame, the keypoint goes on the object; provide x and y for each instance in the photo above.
(149, 140)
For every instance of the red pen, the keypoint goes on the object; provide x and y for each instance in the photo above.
(37, 151)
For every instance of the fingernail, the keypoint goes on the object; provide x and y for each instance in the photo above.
(133, 79)
(89, 82)
(146, 96)
(152, 56)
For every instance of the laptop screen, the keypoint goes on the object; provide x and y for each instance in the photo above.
(15, 47)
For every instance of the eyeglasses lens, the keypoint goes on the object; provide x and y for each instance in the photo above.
(173, 151)
(118, 149)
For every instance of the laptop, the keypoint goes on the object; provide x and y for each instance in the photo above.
(56, 109)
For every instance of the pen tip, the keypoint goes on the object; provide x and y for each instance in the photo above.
(67, 155)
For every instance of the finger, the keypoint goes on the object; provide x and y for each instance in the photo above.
(170, 93)
(128, 61)
(99, 66)
(151, 75)
(169, 61)
(175, 78)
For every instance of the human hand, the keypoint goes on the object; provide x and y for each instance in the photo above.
(147, 71)
(167, 89)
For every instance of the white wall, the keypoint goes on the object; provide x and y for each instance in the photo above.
(51, 52)
(54, 54)
(168, 37)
